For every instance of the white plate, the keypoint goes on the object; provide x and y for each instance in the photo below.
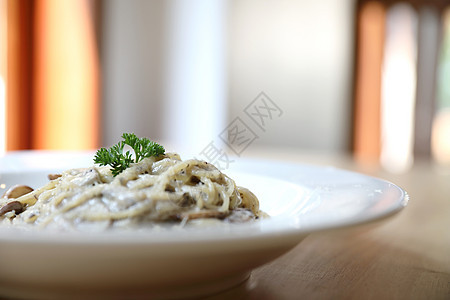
(300, 199)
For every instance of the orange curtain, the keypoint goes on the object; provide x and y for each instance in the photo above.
(370, 43)
(18, 75)
(53, 75)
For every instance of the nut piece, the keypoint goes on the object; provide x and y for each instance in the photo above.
(13, 205)
(17, 191)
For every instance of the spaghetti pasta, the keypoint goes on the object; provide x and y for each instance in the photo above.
(156, 190)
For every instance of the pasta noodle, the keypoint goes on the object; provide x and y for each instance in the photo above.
(154, 191)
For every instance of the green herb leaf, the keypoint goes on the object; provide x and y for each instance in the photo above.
(119, 161)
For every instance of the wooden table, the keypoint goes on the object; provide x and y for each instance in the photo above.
(404, 257)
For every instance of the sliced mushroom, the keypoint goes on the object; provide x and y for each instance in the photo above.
(15, 206)
(17, 191)
(240, 215)
(203, 214)
(53, 176)
(186, 200)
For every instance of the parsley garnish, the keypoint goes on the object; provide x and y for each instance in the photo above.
(119, 161)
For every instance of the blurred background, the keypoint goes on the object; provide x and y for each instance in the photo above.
(369, 79)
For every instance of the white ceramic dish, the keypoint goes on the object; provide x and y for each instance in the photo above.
(300, 199)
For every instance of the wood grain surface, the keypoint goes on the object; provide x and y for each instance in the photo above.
(406, 256)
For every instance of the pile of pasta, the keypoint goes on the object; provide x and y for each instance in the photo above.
(156, 190)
